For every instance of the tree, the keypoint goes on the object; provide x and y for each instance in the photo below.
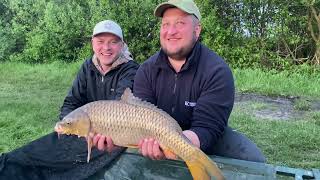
(314, 28)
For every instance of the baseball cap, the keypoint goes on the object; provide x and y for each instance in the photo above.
(187, 6)
(108, 26)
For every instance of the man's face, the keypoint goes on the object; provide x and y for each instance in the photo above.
(178, 33)
(107, 47)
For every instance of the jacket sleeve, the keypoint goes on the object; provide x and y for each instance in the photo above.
(76, 96)
(213, 108)
(142, 87)
(126, 79)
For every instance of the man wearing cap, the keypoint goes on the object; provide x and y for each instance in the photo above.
(193, 84)
(104, 76)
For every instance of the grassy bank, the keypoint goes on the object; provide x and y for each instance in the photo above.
(31, 96)
(292, 142)
(277, 83)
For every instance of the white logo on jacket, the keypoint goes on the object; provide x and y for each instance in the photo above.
(190, 104)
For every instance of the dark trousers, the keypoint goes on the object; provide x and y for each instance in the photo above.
(236, 145)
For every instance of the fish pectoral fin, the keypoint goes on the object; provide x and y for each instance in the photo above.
(134, 146)
(202, 167)
(169, 154)
(89, 143)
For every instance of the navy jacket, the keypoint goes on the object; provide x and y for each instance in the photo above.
(90, 85)
(200, 97)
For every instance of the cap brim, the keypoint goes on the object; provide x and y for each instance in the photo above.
(101, 32)
(158, 12)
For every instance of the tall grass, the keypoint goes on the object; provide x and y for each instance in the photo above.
(31, 96)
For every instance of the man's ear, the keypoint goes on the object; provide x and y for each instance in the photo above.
(197, 30)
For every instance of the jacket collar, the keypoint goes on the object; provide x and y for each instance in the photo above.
(162, 60)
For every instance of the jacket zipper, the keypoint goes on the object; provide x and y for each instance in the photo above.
(102, 78)
(174, 90)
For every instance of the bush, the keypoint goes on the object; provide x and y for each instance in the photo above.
(59, 35)
(245, 33)
(64, 30)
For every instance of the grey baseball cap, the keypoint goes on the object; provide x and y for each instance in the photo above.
(108, 26)
(187, 6)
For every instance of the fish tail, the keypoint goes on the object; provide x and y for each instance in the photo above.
(202, 167)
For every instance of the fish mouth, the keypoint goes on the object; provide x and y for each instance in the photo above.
(58, 128)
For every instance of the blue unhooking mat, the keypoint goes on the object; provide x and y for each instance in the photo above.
(50, 157)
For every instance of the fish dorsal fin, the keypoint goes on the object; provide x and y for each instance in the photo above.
(129, 98)
(127, 94)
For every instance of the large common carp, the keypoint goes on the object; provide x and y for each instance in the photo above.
(129, 120)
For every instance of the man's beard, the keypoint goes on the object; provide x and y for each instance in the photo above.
(182, 53)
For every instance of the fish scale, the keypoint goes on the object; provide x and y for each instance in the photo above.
(113, 122)
(129, 120)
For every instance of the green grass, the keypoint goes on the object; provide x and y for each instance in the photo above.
(293, 143)
(302, 104)
(277, 83)
(288, 143)
(31, 96)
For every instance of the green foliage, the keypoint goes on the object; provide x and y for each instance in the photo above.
(59, 35)
(248, 33)
(7, 46)
(26, 17)
(85, 52)
(60, 30)
(270, 34)
(213, 34)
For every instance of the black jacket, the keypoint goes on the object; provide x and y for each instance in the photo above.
(90, 85)
(200, 97)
